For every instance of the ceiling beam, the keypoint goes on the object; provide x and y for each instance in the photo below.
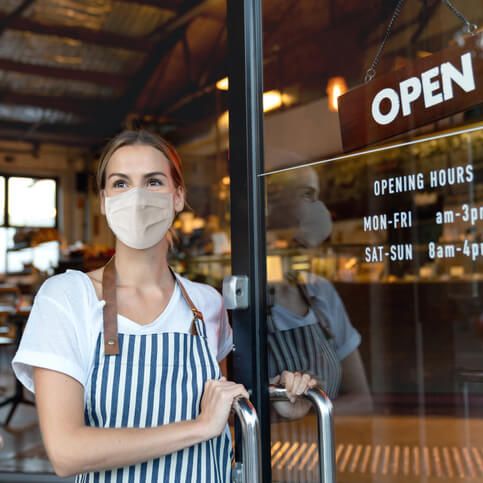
(95, 77)
(14, 14)
(88, 108)
(290, 46)
(166, 38)
(171, 5)
(78, 135)
(98, 37)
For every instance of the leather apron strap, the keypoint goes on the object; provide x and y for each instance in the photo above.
(196, 313)
(111, 342)
(109, 294)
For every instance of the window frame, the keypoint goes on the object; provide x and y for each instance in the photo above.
(7, 176)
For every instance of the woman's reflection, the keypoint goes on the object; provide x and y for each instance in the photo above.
(309, 331)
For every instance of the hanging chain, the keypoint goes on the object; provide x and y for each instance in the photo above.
(371, 72)
(470, 28)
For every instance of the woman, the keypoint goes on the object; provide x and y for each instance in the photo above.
(125, 360)
(308, 327)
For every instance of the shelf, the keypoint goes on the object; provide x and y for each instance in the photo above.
(19, 246)
(25, 245)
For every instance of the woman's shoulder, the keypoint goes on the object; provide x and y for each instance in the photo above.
(204, 296)
(198, 289)
(67, 288)
(318, 285)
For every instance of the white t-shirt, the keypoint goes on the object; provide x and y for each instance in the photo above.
(327, 300)
(66, 319)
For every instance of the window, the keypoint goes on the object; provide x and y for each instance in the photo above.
(28, 215)
(32, 202)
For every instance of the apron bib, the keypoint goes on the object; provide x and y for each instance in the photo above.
(140, 381)
(310, 348)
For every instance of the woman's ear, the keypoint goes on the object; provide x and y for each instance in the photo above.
(102, 198)
(179, 199)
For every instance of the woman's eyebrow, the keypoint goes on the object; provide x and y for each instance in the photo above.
(154, 173)
(147, 175)
(122, 175)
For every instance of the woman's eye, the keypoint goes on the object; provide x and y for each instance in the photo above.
(119, 183)
(309, 194)
(155, 182)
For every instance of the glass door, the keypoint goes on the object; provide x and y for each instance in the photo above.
(364, 257)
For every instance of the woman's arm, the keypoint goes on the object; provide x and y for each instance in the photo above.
(75, 448)
(224, 367)
(355, 396)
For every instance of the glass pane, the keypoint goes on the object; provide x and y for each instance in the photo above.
(32, 202)
(2, 200)
(316, 50)
(375, 259)
(397, 280)
(6, 237)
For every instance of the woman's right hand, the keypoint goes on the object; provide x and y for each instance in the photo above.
(296, 384)
(216, 404)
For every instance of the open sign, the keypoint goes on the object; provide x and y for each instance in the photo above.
(429, 89)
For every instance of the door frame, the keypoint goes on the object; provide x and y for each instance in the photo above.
(248, 248)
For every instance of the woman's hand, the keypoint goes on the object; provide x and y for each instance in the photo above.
(216, 404)
(296, 384)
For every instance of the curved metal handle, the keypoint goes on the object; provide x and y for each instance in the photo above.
(325, 426)
(250, 429)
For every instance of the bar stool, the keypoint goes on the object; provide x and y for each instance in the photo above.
(18, 318)
(9, 298)
(7, 337)
(13, 318)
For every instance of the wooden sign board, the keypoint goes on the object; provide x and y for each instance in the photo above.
(423, 92)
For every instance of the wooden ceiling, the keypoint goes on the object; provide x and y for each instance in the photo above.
(78, 68)
(76, 71)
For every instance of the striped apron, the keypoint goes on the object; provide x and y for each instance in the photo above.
(151, 380)
(309, 349)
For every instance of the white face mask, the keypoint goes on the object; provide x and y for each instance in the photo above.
(140, 218)
(315, 223)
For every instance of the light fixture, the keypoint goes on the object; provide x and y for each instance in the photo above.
(275, 99)
(335, 88)
(222, 84)
(274, 269)
(271, 100)
(223, 121)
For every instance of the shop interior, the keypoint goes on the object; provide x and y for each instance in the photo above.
(75, 72)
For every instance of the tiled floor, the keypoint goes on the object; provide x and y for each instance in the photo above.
(379, 449)
(383, 449)
(22, 450)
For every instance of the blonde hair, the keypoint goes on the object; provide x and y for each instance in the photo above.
(144, 138)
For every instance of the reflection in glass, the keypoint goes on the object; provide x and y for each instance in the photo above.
(309, 331)
(362, 261)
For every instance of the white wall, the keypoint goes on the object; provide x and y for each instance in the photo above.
(292, 136)
(301, 134)
(51, 160)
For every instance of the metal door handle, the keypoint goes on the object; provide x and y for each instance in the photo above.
(250, 469)
(325, 426)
